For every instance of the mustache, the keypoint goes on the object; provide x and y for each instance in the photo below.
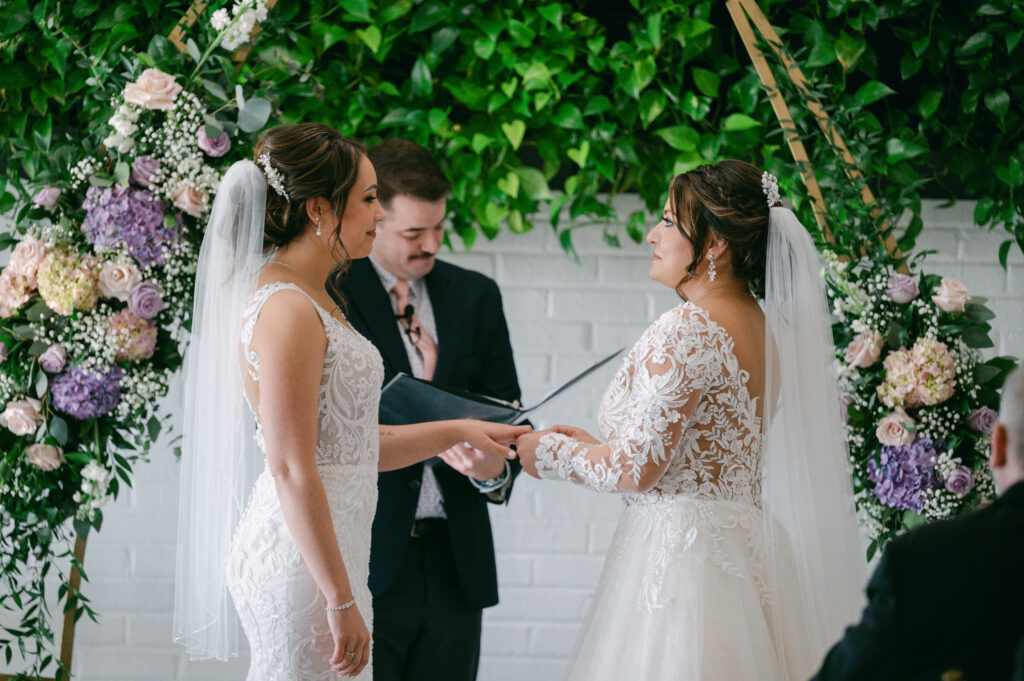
(421, 256)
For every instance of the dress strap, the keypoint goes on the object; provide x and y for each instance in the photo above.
(252, 313)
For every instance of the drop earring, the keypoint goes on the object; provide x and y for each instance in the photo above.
(712, 272)
(318, 226)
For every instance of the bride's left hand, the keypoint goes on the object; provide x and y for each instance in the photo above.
(492, 438)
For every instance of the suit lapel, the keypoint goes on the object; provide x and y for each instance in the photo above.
(446, 319)
(373, 305)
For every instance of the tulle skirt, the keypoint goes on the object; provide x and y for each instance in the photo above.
(691, 591)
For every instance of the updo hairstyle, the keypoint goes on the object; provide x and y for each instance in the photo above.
(724, 199)
(313, 160)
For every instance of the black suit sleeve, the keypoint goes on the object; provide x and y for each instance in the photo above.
(872, 648)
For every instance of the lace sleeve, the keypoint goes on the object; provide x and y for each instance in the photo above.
(667, 373)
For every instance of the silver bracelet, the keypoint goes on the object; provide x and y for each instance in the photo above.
(343, 606)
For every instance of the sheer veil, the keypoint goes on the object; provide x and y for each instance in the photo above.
(219, 456)
(807, 489)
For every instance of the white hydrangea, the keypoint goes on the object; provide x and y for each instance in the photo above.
(93, 494)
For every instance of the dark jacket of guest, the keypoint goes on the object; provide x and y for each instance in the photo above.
(474, 354)
(945, 597)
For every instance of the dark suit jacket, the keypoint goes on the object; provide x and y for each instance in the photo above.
(474, 353)
(945, 596)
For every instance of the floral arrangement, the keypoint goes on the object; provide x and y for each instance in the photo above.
(95, 305)
(917, 399)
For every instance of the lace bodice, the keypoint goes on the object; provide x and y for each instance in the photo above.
(677, 419)
(349, 387)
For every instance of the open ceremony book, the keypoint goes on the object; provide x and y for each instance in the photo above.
(406, 399)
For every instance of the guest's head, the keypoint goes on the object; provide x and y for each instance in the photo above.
(1007, 452)
(414, 192)
(719, 211)
(330, 184)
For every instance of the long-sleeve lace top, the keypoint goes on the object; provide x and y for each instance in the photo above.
(677, 419)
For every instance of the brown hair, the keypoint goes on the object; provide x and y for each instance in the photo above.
(404, 167)
(724, 199)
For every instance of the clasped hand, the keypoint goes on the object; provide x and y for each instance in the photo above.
(526, 445)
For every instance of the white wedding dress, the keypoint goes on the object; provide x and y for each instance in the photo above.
(687, 589)
(280, 606)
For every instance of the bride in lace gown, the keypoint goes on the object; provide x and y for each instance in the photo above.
(737, 555)
(293, 548)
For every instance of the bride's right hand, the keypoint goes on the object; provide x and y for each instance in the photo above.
(350, 636)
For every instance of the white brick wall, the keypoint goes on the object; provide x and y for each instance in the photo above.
(552, 537)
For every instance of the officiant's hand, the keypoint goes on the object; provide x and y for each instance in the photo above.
(492, 439)
(474, 463)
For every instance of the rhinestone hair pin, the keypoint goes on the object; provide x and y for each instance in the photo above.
(274, 178)
(770, 187)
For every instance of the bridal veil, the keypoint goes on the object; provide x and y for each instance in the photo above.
(220, 459)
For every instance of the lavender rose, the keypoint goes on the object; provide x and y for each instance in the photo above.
(145, 300)
(145, 171)
(44, 457)
(960, 481)
(982, 420)
(216, 147)
(902, 288)
(22, 417)
(46, 197)
(54, 359)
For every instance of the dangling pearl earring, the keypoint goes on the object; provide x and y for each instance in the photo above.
(318, 226)
(712, 273)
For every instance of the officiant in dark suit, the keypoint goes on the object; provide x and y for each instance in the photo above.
(432, 568)
(946, 602)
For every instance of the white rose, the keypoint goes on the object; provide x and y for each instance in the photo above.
(951, 296)
(118, 278)
(22, 417)
(891, 432)
(44, 457)
(190, 199)
(27, 256)
(154, 90)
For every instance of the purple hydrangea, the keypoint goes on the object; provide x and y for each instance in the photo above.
(87, 393)
(130, 217)
(903, 475)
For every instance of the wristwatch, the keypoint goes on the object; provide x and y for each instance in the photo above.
(485, 486)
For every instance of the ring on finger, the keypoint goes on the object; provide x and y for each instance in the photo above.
(352, 654)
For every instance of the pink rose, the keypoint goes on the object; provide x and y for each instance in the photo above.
(865, 349)
(46, 197)
(154, 90)
(27, 255)
(15, 290)
(216, 147)
(891, 432)
(118, 278)
(190, 199)
(951, 296)
(44, 457)
(22, 417)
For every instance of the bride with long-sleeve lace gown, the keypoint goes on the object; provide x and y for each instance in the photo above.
(704, 581)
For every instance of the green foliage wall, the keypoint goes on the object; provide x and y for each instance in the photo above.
(523, 99)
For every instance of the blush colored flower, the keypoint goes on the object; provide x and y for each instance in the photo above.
(132, 337)
(22, 417)
(936, 373)
(15, 290)
(190, 199)
(27, 255)
(145, 300)
(118, 278)
(960, 481)
(46, 198)
(68, 281)
(865, 349)
(154, 89)
(902, 288)
(54, 359)
(216, 147)
(982, 420)
(951, 295)
(44, 457)
(145, 171)
(891, 430)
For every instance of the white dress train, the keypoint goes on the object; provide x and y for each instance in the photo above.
(687, 589)
(280, 606)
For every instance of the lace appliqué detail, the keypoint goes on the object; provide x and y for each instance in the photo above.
(556, 459)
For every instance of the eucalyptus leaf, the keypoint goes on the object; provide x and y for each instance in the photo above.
(58, 428)
(193, 50)
(254, 114)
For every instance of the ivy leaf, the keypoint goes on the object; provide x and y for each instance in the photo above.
(1013, 39)
(1004, 252)
(643, 73)
(371, 37)
(484, 48)
(998, 102)
(871, 92)
(738, 121)
(976, 42)
(360, 9)
(579, 156)
(427, 16)
(983, 209)
(517, 224)
(652, 103)
(635, 226)
(568, 116)
(533, 184)
(679, 137)
(422, 85)
(509, 184)
(929, 103)
(553, 13)
(480, 142)
(898, 150)
(706, 81)
(849, 49)
(514, 131)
